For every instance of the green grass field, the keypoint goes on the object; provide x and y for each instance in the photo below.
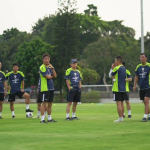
(94, 131)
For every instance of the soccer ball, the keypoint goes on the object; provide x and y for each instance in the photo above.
(29, 115)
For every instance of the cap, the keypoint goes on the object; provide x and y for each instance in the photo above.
(73, 61)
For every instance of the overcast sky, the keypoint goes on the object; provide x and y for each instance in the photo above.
(22, 14)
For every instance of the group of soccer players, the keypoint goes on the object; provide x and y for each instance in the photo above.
(13, 84)
(121, 78)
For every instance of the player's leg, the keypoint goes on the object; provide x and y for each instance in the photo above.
(119, 102)
(76, 99)
(70, 96)
(27, 100)
(128, 108)
(146, 103)
(45, 97)
(1, 104)
(11, 99)
(1, 108)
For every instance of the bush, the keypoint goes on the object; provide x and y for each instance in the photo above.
(90, 97)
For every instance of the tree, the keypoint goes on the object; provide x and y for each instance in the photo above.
(66, 37)
(29, 56)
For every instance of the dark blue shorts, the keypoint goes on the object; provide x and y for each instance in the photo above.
(74, 96)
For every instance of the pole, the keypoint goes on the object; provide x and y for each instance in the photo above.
(142, 29)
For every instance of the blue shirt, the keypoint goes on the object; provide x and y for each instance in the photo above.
(143, 73)
(120, 74)
(74, 77)
(2, 80)
(15, 81)
(44, 83)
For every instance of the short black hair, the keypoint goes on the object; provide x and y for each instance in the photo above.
(123, 63)
(119, 58)
(143, 54)
(45, 55)
(15, 64)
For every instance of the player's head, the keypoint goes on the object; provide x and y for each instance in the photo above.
(73, 63)
(123, 63)
(0, 65)
(46, 59)
(15, 67)
(118, 60)
(143, 58)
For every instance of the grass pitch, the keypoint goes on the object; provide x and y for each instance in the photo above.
(94, 131)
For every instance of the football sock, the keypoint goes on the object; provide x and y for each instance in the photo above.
(129, 112)
(49, 117)
(67, 115)
(0, 113)
(39, 113)
(42, 118)
(145, 116)
(73, 115)
(148, 115)
(27, 106)
(13, 113)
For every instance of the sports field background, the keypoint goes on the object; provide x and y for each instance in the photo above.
(94, 131)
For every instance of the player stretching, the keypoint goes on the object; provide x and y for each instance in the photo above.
(47, 73)
(142, 73)
(119, 86)
(73, 80)
(16, 87)
(3, 84)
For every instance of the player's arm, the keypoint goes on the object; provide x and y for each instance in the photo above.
(54, 73)
(80, 85)
(129, 77)
(5, 85)
(68, 85)
(135, 83)
(48, 76)
(22, 88)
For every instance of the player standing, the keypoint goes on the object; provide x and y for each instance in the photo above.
(119, 86)
(47, 73)
(3, 84)
(16, 87)
(142, 74)
(73, 80)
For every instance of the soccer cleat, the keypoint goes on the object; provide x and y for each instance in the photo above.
(43, 121)
(118, 120)
(75, 118)
(124, 116)
(1, 117)
(144, 120)
(148, 119)
(13, 116)
(52, 120)
(29, 110)
(129, 116)
(69, 119)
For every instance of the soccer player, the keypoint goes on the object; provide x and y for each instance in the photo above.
(142, 74)
(3, 84)
(73, 80)
(119, 86)
(128, 79)
(47, 73)
(126, 96)
(16, 87)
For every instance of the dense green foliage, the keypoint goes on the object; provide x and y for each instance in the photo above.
(68, 34)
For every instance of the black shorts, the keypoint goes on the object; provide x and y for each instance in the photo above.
(2, 98)
(126, 96)
(11, 97)
(144, 93)
(119, 96)
(39, 98)
(74, 96)
(47, 96)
